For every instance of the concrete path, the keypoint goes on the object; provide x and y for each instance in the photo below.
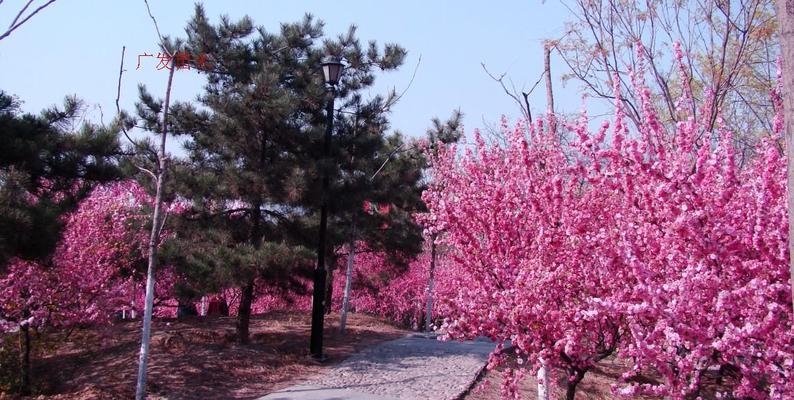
(414, 367)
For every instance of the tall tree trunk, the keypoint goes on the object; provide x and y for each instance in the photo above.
(256, 235)
(549, 90)
(351, 254)
(329, 284)
(543, 381)
(186, 308)
(547, 73)
(244, 311)
(544, 385)
(785, 20)
(154, 240)
(24, 357)
(430, 284)
(247, 290)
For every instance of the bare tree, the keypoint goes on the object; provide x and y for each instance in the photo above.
(785, 20)
(21, 17)
(520, 97)
(158, 219)
(731, 47)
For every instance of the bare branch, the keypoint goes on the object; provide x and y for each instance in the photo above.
(16, 23)
(122, 126)
(395, 151)
(121, 72)
(728, 41)
(157, 28)
(397, 98)
(22, 11)
(524, 106)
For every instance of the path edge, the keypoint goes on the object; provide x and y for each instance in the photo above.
(477, 378)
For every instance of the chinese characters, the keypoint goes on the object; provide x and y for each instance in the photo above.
(181, 61)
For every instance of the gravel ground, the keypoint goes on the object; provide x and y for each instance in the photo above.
(414, 367)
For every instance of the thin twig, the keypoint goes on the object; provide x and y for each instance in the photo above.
(121, 72)
(157, 28)
(397, 98)
(119, 116)
(386, 161)
(22, 11)
(14, 25)
(500, 81)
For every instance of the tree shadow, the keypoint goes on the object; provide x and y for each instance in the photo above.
(198, 358)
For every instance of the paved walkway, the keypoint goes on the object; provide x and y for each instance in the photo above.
(414, 367)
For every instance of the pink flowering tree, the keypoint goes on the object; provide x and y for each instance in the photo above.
(661, 245)
(106, 239)
(394, 288)
(406, 294)
(371, 286)
(93, 273)
(704, 235)
(28, 300)
(528, 241)
(269, 297)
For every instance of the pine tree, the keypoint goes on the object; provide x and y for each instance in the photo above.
(48, 162)
(255, 150)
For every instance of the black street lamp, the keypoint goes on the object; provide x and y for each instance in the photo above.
(332, 70)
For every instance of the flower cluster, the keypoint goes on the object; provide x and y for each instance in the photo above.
(94, 271)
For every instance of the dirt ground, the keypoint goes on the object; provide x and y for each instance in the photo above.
(595, 385)
(197, 358)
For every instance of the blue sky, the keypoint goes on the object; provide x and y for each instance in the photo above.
(74, 47)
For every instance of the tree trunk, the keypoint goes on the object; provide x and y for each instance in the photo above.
(547, 73)
(549, 91)
(247, 291)
(543, 381)
(186, 308)
(24, 357)
(573, 381)
(154, 239)
(329, 285)
(351, 254)
(244, 311)
(430, 284)
(544, 386)
(416, 322)
(785, 20)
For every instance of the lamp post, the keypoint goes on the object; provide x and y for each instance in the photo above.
(332, 70)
